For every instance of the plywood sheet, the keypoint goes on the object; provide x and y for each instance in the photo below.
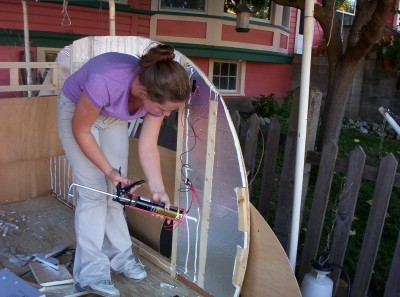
(28, 137)
(28, 129)
(24, 180)
(268, 269)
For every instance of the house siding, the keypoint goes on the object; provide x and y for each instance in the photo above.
(318, 38)
(254, 36)
(78, 20)
(176, 28)
(202, 63)
(293, 27)
(266, 79)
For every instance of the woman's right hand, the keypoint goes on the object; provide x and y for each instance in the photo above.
(116, 177)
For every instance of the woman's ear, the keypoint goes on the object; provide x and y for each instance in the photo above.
(138, 89)
(143, 93)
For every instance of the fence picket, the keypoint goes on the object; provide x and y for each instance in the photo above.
(285, 196)
(345, 211)
(376, 220)
(393, 284)
(236, 120)
(318, 207)
(250, 147)
(285, 200)
(270, 156)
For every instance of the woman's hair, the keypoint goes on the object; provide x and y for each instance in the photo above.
(163, 77)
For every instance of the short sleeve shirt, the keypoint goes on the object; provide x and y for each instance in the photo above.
(106, 79)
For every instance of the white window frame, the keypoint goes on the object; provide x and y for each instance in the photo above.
(41, 56)
(240, 72)
(42, 51)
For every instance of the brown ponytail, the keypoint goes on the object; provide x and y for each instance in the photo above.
(163, 77)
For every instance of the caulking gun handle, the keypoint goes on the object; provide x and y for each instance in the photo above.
(131, 186)
(121, 191)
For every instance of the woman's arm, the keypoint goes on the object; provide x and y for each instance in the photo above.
(149, 156)
(82, 121)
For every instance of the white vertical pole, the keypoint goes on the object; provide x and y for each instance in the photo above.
(27, 47)
(302, 129)
(111, 5)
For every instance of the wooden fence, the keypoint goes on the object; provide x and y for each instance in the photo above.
(355, 170)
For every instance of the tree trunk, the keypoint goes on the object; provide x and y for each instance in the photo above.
(369, 21)
(335, 103)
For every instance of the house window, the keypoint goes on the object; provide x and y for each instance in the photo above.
(347, 6)
(286, 16)
(45, 54)
(227, 76)
(261, 9)
(185, 5)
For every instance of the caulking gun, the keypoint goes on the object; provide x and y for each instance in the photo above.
(140, 203)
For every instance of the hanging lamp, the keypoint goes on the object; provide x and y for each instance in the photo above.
(243, 18)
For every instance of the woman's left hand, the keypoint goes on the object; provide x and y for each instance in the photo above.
(161, 197)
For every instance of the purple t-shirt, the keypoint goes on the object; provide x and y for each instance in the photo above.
(106, 79)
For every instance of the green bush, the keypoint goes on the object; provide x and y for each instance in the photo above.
(269, 106)
(265, 106)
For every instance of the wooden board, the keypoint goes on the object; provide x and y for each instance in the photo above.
(27, 129)
(268, 269)
(28, 137)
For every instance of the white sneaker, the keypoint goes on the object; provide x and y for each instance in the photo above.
(104, 288)
(135, 271)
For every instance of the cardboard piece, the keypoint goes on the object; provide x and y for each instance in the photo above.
(47, 276)
(13, 285)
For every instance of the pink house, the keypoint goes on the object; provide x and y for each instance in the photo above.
(258, 62)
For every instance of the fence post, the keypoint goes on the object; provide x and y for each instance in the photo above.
(376, 220)
(285, 199)
(313, 122)
(270, 156)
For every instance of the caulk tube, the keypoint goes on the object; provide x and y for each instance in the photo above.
(144, 204)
